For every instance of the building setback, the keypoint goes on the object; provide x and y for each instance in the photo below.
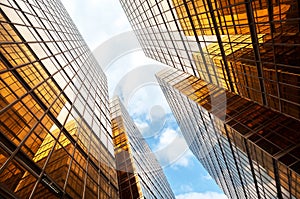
(55, 139)
(139, 173)
(251, 151)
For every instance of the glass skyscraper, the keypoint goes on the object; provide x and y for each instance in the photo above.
(56, 138)
(251, 151)
(236, 95)
(139, 173)
(248, 47)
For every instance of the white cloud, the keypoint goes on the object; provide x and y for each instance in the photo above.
(167, 138)
(132, 72)
(206, 195)
(183, 161)
(117, 70)
(141, 125)
(207, 177)
(172, 149)
(101, 20)
(186, 188)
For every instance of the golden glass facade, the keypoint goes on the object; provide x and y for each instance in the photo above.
(200, 17)
(251, 151)
(248, 47)
(139, 173)
(55, 139)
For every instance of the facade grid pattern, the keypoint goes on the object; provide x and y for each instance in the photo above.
(139, 173)
(56, 138)
(248, 47)
(251, 151)
(244, 55)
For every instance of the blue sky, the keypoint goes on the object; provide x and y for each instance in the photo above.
(98, 21)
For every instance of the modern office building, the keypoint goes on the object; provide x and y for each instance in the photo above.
(139, 173)
(56, 138)
(251, 151)
(248, 47)
(237, 97)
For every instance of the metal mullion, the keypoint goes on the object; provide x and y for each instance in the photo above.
(144, 34)
(72, 155)
(74, 142)
(77, 98)
(26, 94)
(85, 177)
(34, 55)
(46, 162)
(220, 45)
(218, 135)
(232, 17)
(69, 169)
(259, 176)
(240, 26)
(207, 15)
(235, 160)
(242, 160)
(229, 43)
(203, 33)
(86, 105)
(9, 55)
(219, 18)
(251, 167)
(23, 160)
(30, 68)
(245, 177)
(181, 37)
(196, 36)
(271, 21)
(46, 112)
(255, 45)
(52, 38)
(137, 31)
(224, 74)
(53, 147)
(11, 132)
(214, 152)
(154, 33)
(49, 77)
(212, 163)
